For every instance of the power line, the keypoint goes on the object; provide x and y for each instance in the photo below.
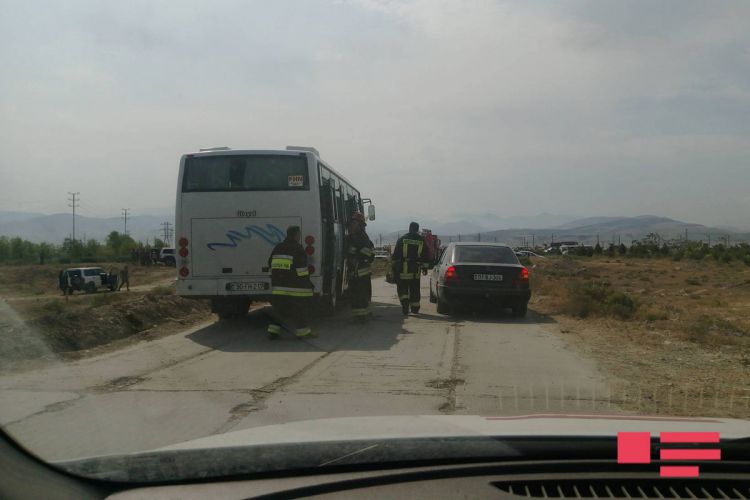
(167, 232)
(74, 203)
(125, 212)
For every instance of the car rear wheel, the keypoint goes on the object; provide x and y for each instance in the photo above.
(90, 288)
(519, 311)
(442, 306)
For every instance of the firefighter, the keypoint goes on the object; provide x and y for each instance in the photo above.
(359, 256)
(291, 288)
(124, 279)
(409, 260)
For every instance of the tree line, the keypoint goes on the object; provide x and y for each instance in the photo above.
(115, 247)
(690, 250)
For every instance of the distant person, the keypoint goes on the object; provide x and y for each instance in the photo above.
(62, 279)
(359, 256)
(124, 278)
(291, 288)
(409, 258)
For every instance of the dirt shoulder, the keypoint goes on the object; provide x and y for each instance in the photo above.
(42, 281)
(673, 336)
(47, 327)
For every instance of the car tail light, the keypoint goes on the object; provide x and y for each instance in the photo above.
(309, 240)
(183, 252)
(450, 273)
(523, 277)
(309, 250)
(311, 268)
(184, 271)
(183, 242)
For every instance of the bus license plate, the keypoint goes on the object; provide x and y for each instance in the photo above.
(246, 287)
(488, 277)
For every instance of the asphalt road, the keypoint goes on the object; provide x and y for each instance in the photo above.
(229, 376)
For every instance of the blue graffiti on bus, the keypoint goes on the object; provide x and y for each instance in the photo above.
(272, 235)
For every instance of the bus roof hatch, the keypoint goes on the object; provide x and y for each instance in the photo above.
(303, 148)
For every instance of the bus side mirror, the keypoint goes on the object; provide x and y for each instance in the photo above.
(371, 212)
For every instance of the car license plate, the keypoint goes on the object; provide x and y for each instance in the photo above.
(488, 277)
(246, 287)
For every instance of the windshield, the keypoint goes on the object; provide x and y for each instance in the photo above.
(485, 255)
(336, 223)
(245, 173)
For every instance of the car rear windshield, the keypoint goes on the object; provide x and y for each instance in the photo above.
(91, 272)
(485, 255)
(246, 173)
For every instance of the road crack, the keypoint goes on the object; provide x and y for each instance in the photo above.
(448, 385)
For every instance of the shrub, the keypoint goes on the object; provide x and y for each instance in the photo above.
(102, 299)
(598, 298)
(160, 291)
(54, 307)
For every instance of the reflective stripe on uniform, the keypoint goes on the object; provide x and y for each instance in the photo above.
(415, 304)
(302, 271)
(282, 262)
(352, 250)
(366, 251)
(303, 332)
(292, 292)
(408, 276)
(404, 297)
(274, 328)
(363, 271)
(360, 312)
(406, 244)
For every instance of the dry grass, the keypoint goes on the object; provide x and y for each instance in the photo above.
(673, 336)
(35, 280)
(76, 325)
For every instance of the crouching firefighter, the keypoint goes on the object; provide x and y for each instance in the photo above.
(359, 256)
(291, 288)
(409, 259)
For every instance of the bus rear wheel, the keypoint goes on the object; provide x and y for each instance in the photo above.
(230, 307)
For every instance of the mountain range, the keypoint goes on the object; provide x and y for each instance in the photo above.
(55, 228)
(468, 227)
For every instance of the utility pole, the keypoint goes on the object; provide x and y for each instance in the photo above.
(166, 232)
(479, 236)
(686, 236)
(533, 240)
(597, 239)
(74, 199)
(709, 240)
(125, 218)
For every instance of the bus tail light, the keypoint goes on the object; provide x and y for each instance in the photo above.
(184, 252)
(309, 240)
(311, 269)
(184, 271)
(309, 250)
(183, 242)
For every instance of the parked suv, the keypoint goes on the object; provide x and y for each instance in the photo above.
(167, 257)
(87, 279)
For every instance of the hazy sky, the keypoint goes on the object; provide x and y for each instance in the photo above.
(429, 106)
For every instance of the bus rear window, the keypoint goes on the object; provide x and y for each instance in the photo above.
(246, 173)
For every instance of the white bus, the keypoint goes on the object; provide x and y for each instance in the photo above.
(234, 206)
